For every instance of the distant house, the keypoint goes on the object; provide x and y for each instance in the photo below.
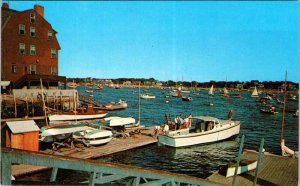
(158, 83)
(29, 48)
(127, 83)
(240, 86)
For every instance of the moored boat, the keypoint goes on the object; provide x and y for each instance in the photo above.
(147, 96)
(186, 98)
(205, 129)
(81, 114)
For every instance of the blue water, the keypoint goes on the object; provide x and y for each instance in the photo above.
(199, 160)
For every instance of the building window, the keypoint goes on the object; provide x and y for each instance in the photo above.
(21, 29)
(32, 18)
(32, 50)
(22, 48)
(49, 35)
(14, 68)
(32, 69)
(53, 70)
(53, 53)
(32, 31)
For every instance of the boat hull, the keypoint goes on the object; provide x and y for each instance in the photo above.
(66, 117)
(199, 138)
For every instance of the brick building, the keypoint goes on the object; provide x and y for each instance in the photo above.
(29, 48)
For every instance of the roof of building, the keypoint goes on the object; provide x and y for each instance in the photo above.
(17, 127)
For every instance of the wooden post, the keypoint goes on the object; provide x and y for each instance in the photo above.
(139, 103)
(53, 174)
(238, 160)
(69, 103)
(27, 107)
(32, 107)
(44, 106)
(259, 160)
(15, 106)
(61, 106)
(92, 179)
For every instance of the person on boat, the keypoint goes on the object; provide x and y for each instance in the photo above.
(180, 119)
(156, 131)
(166, 129)
(230, 115)
(176, 122)
(186, 122)
(190, 120)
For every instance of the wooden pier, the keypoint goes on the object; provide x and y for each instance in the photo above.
(114, 146)
(274, 170)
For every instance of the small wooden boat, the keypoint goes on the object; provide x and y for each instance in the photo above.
(81, 114)
(244, 166)
(205, 129)
(147, 96)
(268, 110)
(59, 132)
(93, 137)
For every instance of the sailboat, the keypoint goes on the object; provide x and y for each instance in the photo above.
(255, 93)
(211, 91)
(225, 92)
(284, 149)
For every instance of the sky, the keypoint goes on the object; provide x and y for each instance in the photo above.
(175, 40)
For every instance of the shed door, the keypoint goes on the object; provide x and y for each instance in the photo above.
(17, 141)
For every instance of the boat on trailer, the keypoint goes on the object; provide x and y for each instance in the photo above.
(81, 114)
(205, 129)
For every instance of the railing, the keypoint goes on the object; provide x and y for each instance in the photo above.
(36, 77)
(100, 172)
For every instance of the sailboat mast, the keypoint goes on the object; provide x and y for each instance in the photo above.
(283, 109)
(139, 103)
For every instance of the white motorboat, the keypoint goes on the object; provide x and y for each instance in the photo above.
(255, 93)
(93, 137)
(147, 96)
(205, 129)
(122, 121)
(81, 114)
(60, 132)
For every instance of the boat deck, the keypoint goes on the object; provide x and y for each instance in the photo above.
(274, 170)
(114, 146)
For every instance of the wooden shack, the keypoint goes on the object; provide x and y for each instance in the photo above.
(22, 135)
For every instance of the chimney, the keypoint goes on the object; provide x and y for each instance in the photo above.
(39, 9)
(5, 5)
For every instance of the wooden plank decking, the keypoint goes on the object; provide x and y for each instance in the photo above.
(274, 170)
(114, 146)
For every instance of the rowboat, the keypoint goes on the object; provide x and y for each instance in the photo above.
(147, 96)
(93, 137)
(244, 166)
(81, 114)
(122, 121)
(59, 132)
(205, 129)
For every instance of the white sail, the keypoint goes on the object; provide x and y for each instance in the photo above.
(211, 90)
(225, 91)
(254, 93)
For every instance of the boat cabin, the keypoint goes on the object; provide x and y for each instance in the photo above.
(204, 123)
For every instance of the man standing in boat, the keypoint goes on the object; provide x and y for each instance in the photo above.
(230, 115)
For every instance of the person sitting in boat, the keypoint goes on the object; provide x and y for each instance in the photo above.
(209, 126)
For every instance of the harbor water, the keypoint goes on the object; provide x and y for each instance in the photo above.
(199, 160)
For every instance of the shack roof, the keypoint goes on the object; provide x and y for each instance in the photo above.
(17, 127)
